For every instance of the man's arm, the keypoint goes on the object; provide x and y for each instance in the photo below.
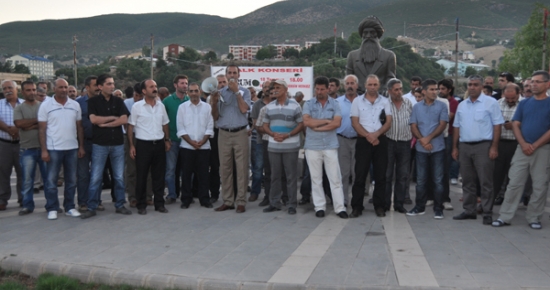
(385, 128)
(98, 120)
(314, 123)
(42, 139)
(493, 151)
(332, 125)
(130, 134)
(118, 121)
(243, 106)
(12, 130)
(456, 134)
(80, 136)
(358, 128)
(214, 98)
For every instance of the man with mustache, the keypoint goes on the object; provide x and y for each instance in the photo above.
(527, 92)
(371, 57)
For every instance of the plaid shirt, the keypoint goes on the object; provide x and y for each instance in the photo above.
(6, 116)
(507, 113)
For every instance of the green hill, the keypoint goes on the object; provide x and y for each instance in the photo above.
(294, 21)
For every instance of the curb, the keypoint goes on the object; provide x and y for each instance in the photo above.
(107, 276)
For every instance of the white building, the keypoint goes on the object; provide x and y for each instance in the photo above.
(244, 52)
(468, 55)
(282, 47)
(310, 43)
(449, 66)
(38, 66)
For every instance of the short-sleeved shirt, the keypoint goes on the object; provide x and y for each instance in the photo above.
(476, 119)
(27, 138)
(283, 119)
(427, 118)
(255, 113)
(534, 116)
(453, 105)
(6, 116)
(148, 120)
(321, 140)
(230, 116)
(61, 133)
(508, 113)
(172, 103)
(99, 106)
(410, 96)
(369, 113)
(86, 123)
(345, 129)
(400, 129)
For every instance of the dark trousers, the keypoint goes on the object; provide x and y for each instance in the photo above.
(365, 154)
(476, 168)
(267, 176)
(399, 159)
(214, 174)
(150, 155)
(196, 168)
(506, 149)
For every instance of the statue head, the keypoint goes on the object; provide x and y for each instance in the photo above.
(372, 24)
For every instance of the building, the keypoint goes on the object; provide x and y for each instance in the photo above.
(450, 65)
(310, 43)
(282, 47)
(468, 55)
(18, 78)
(244, 52)
(38, 66)
(173, 49)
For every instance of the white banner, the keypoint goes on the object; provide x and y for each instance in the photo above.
(298, 78)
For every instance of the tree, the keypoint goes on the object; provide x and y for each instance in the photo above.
(146, 51)
(470, 71)
(6, 67)
(291, 52)
(429, 52)
(493, 63)
(526, 56)
(210, 56)
(230, 56)
(267, 52)
(354, 40)
(21, 69)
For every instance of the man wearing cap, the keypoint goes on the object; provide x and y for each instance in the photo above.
(283, 124)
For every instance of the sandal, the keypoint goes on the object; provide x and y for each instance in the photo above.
(499, 223)
(535, 226)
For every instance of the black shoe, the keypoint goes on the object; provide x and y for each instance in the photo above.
(193, 200)
(291, 210)
(170, 200)
(320, 213)
(207, 205)
(123, 210)
(343, 214)
(465, 216)
(304, 201)
(355, 213)
(184, 205)
(142, 211)
(400, 210)
(264, 202)
(499, 200)
(380, 212)
(161, 209)
(271, 209)
(487, 220)
(407, 201)
(25, 211)
(88, 214)
(213, 200)
(370, 200)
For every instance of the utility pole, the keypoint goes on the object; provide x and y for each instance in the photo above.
(544, 39)
(404, 28)
(334, 39)
(456, 54)
(74, 62)
(152, 47)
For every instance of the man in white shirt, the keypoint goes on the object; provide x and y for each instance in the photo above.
(61, 140)
(415, 83)
(149, 121)
(195, 126)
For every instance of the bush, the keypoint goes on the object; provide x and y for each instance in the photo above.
(12, 286)
(48, 281)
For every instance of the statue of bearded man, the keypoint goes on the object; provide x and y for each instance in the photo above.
(371, 57)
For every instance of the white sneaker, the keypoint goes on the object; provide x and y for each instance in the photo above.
(72, 213)
(52, 215)
(429, 202)
(448, 206)
(454, 181)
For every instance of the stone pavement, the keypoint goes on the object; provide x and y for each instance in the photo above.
(198, 248)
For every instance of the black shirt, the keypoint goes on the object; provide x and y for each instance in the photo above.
(99, 106)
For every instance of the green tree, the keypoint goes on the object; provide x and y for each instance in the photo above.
(526, 56)
(21, 69)
(429, 52)
(210, 56)
(146, 51)
(470, 71)
(267, 52)
(354, 41)
(230, 56)
(291, 52)
(6, 67)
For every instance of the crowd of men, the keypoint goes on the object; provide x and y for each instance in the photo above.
(193, 143)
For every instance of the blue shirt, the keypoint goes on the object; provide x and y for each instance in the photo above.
(534, 116)
(476, 119)
(230, 116)
(86, 123)
(427, 118)
(345, 129)
(321, 140)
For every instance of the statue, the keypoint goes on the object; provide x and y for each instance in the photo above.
(371, 57)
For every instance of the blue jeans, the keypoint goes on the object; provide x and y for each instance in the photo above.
(83, 173)
(257, 167)
(429, 165)
(68, 159)
(99, 157)
(170, 175)
(29, 158)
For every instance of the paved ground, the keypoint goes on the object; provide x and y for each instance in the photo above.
(198, 248)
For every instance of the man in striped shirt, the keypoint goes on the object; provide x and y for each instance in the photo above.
(399, 146)
(283, 124)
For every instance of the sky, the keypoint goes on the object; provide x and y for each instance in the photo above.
(65, 9)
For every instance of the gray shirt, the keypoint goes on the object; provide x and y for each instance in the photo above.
(321, 140)
(27, 138)
(230, 116)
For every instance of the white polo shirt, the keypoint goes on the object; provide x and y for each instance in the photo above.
(369, 113)
(148, 120)
(60, 123)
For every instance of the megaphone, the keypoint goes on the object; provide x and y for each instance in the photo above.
(210, 86)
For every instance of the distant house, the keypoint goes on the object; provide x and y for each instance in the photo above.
(468, 55)
(173, 49)
(310, 43)
(244, 52)
(449, 66)
(38, 66)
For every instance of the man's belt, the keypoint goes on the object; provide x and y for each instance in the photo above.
(351, 138)
(234, 129)
(10, 141)
(476, 142)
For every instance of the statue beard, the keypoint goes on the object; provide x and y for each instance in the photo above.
(370, 49)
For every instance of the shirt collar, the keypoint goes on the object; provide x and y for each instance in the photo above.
(479, 99)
